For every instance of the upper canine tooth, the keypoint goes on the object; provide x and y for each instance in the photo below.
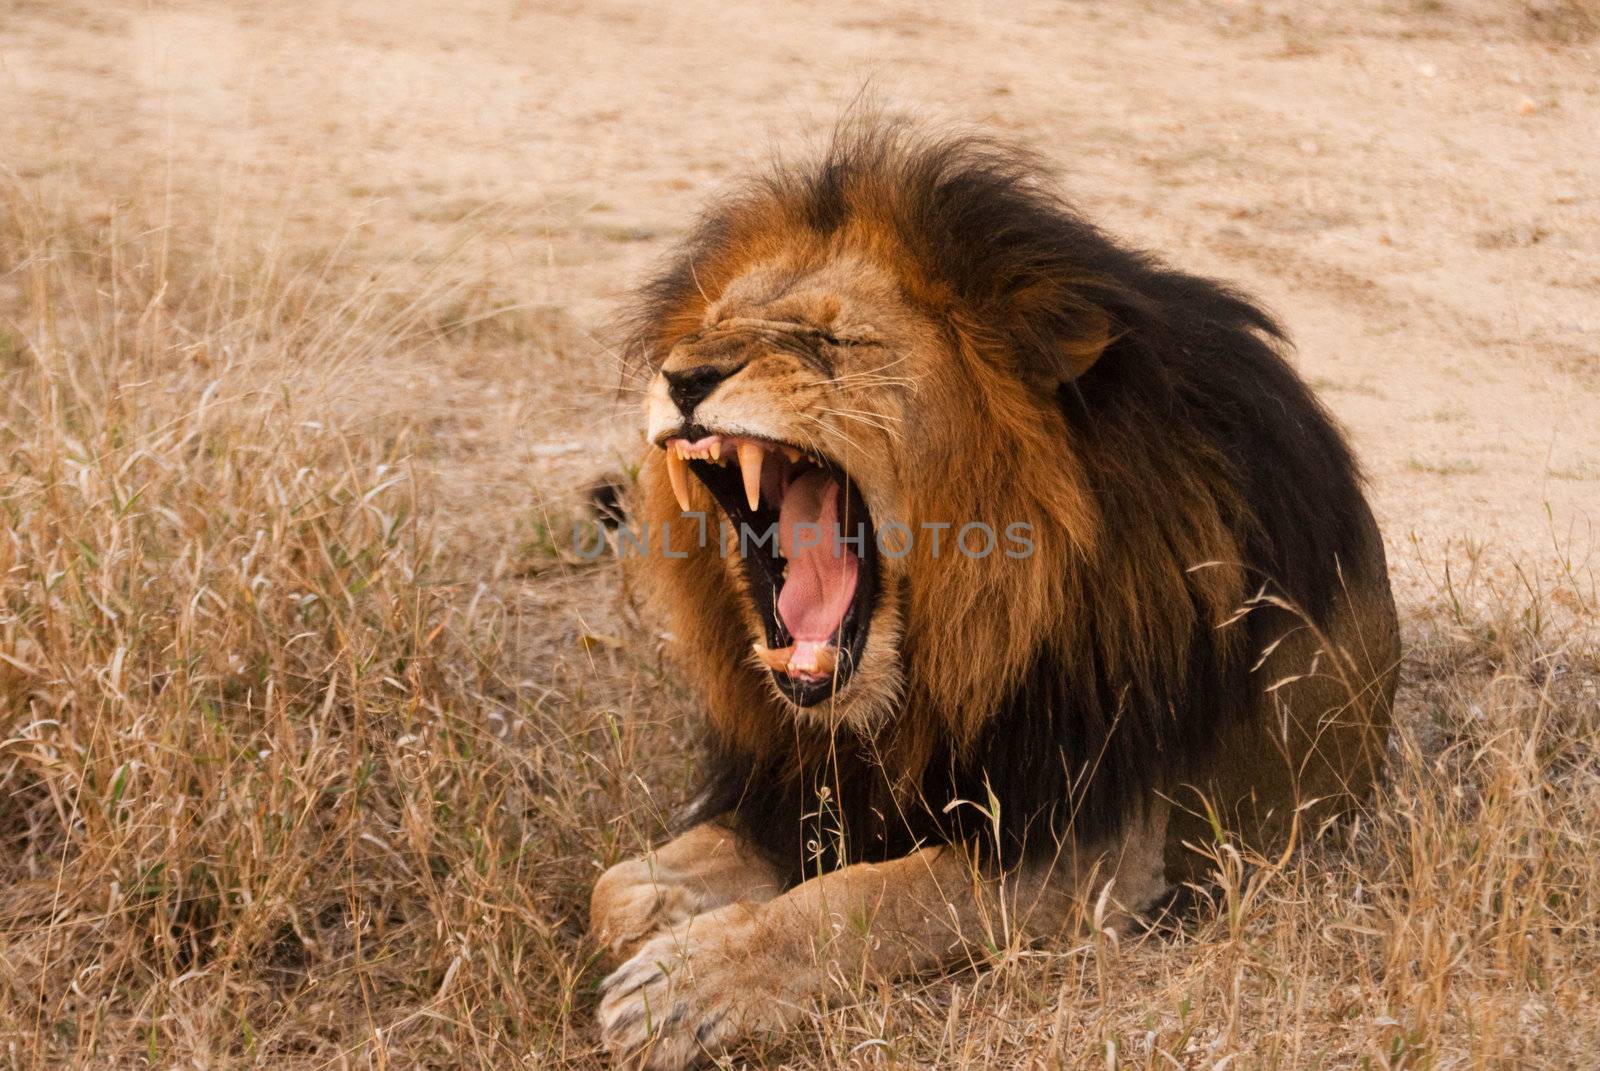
(678, 474)
(751, 456)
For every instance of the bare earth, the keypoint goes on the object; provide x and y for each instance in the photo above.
(1412, 187)
(1415, 192)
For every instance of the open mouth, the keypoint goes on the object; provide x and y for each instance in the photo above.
(803, 532)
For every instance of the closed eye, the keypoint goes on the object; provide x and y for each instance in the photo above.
(863, 337)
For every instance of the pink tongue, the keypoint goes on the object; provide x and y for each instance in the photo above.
(822, 572)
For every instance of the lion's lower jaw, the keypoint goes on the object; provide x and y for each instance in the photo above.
(863, 708)
(869, 699)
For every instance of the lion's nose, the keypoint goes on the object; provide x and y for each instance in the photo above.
(690, 387)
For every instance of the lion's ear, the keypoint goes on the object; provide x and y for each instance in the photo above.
(1076, 353)
(1062, 331)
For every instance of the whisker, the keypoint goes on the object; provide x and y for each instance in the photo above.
(862, 416)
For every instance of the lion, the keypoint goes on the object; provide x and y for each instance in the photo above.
(1180, 623)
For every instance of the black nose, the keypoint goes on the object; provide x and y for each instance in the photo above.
(689, 387)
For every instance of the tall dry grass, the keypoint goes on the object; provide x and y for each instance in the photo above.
(291, 775)
(266, 792)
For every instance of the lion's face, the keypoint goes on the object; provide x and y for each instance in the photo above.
(790, 404)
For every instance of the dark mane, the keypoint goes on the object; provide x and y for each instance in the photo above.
(1190, 402)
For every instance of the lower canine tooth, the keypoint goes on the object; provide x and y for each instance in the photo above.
(678, 476)
(773, 659)
(815, 659)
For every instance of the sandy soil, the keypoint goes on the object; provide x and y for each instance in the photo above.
(1414, 188)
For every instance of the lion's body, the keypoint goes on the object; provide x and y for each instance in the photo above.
(1204, 621)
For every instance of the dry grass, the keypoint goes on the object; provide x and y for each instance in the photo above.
(266, 789)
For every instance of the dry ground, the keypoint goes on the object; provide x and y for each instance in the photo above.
(311, 741)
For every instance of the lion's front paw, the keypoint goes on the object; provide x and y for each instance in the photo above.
(694, 989)
(635, 899)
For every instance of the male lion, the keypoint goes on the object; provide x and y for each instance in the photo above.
(1097, 579)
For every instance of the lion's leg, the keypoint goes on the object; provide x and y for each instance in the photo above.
(752, 968)
(706, 868)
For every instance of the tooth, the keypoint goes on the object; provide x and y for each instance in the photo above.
(773, 659)
(791, 453)
(816, 660)
(678, 473)
(716, 450)
(750, 458)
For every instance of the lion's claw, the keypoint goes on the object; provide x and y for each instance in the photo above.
(688, 992)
